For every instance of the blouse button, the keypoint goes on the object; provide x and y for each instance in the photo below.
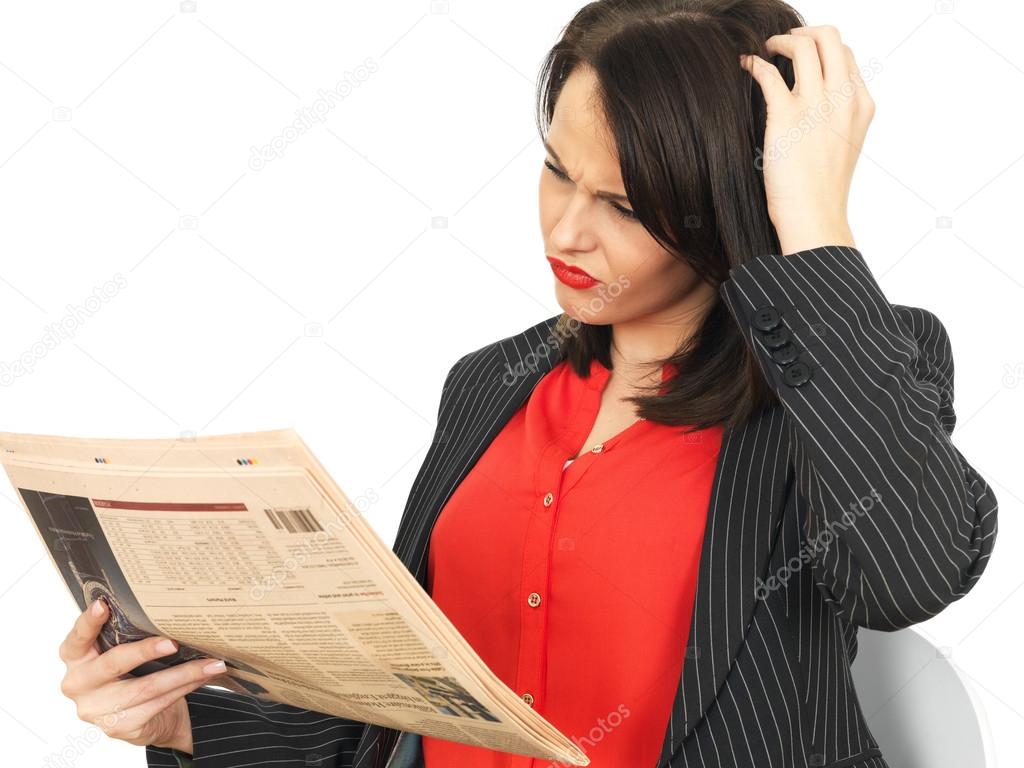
(597, 448)
(533, 599)
(548, 498)
(528, 698)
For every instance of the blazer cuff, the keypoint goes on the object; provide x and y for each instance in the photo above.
(790, 304)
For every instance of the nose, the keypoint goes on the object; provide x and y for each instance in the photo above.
(573, 231)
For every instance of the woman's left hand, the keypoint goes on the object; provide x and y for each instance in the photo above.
(813, 136)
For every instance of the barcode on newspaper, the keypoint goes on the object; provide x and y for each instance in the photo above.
(293, 520)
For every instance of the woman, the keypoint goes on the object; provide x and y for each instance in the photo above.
(662, 515)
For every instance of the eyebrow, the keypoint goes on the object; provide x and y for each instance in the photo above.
(600, 193)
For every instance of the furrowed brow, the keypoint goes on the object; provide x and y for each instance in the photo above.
(600, 193)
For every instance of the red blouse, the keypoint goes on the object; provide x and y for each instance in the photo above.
(576, 586)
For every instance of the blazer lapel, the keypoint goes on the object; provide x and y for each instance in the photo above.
(744, 515)
(742, 518)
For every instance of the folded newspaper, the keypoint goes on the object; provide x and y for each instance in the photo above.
(241, 547)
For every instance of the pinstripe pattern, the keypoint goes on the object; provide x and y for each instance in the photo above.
(848, 491)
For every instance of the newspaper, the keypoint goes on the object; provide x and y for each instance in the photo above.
(241, 547)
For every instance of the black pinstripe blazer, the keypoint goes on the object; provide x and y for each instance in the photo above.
(843, 505)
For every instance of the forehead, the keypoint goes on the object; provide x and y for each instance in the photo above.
(579, 132)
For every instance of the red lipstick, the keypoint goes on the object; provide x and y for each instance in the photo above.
(574, 277)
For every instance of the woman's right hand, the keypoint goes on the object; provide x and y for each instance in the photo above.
(150, 709)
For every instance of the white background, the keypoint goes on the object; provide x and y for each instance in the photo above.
(319, 292)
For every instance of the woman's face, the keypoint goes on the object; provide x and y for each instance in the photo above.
(586, 223)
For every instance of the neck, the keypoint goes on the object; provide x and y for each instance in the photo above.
(637, 344)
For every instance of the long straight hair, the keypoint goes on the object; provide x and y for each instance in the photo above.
(688, 123)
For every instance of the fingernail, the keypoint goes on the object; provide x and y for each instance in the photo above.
(97, 607)
(166, 646)
(214, 667)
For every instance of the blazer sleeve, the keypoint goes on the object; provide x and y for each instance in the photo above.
(898, 523)
(230, 729)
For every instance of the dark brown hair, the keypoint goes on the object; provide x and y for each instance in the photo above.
(688, 123)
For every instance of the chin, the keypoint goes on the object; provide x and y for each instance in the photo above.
(584, 313)
(589, 306)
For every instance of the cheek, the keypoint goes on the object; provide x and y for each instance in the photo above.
(552, 203)
(653, 273)
(635, 254)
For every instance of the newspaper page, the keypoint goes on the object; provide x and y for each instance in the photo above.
(241, 547)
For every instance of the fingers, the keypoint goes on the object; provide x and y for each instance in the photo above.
(79, 642)
(117, 661)
(863, 101)
(831, 54)
(803, 51)
(130, 721)
(820, 61)
(111, 702)
(767, 76)
(139, 690)
(851, 65)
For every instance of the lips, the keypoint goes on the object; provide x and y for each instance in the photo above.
(574, 277)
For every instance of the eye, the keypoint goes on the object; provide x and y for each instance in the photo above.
(559, 174)
(622, 213)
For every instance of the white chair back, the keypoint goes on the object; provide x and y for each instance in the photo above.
(918, 707)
